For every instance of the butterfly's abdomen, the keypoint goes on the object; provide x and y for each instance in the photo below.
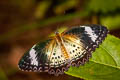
(63, 49)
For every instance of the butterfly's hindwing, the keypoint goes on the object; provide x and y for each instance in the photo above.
(58, 64)
(76, 50)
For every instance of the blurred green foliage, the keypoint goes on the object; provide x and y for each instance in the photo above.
(48, 12)
(2, 75)
(112, 22)
(103, 6)
(37, 24)
(108, 11)
(41, 9)
(66, 5)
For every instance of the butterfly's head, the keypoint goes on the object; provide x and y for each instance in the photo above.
(56, 32)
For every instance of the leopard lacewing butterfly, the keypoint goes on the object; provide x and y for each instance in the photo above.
(72, 47)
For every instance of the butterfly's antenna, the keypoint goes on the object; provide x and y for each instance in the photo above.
(57, 32)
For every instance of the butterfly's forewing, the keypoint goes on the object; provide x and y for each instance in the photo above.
(81, 41)
(36, 58)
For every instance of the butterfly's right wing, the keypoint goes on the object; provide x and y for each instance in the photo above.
(81, 41)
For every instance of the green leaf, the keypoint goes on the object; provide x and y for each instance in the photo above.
(104, 64)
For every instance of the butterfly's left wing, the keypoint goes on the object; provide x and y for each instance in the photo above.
(81, 41)
(45, 57)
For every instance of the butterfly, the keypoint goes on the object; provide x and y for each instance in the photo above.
(72, 47)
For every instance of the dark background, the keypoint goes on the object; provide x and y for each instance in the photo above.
(26, 22)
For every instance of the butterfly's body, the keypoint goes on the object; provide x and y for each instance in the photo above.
(73, 47)
(59, 41)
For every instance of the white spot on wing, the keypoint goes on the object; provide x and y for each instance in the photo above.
(33, 56)
(83, 26)
(91, 33)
